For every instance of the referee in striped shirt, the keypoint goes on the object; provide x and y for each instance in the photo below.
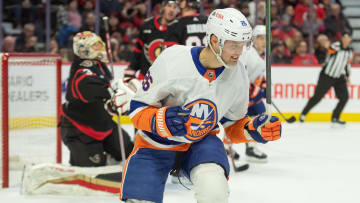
(335, 73)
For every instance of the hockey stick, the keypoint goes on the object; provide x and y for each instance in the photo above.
(289, 120)
(243, 167)
(122, 145)
(267, 60)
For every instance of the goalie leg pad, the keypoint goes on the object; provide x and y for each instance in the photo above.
(57, 179)
(210, 183)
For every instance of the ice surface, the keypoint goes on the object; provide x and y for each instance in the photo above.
(312, 163)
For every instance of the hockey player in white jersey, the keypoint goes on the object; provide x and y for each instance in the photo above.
(186, 94)
(256, 71)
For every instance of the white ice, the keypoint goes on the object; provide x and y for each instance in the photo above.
(312, 163)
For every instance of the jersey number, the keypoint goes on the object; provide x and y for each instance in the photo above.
(147, 81)
(195, 41)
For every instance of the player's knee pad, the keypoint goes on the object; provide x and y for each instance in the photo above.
(210, 183)
(137, 201)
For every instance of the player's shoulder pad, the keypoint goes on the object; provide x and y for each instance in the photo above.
(86, 63)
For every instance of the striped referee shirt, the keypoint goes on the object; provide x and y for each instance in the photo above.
(338, 61)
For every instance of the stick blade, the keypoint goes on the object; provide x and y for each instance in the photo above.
(242, 168)
(292, 119)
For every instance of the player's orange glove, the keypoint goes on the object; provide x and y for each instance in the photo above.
(263, 133)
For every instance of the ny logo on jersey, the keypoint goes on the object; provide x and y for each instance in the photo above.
(200, 110)
(202, 119)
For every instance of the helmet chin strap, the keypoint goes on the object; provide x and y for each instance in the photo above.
(218, 56)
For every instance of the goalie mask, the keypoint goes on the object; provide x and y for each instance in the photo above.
(88, 45)
(227, 24)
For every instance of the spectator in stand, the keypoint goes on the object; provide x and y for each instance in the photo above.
(336, 23)
(8, 45)
(302, 57)
(65, 55)
(259, 12)
(24, 11)
(274, 12)
(71, 20)
(286, 31)
(30, 45)
(111, 6)
(115, 49)
(243, 6)
(133, 13)
(280, 6)
(326, 5)
(303, 8)
(279, 55)
(224, 4)
(275, 38)
(125, 52)
(293, 43)
(28, 32)
(293, 3)
(289, 12)
(321, 48)
(314, 25)
(54, 47)
(88, 6)
(89, 25)
(114, 28)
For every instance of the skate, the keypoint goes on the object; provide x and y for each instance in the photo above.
(234, 153)
(336, 122)
(253, 154)
(302, 118)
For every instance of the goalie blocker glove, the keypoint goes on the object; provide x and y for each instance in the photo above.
(261, 132)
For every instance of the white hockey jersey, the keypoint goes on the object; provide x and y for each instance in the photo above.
(177, 78)
(254, 64)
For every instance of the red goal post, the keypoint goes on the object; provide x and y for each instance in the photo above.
(21, 74)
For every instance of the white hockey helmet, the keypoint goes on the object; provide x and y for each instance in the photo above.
(88, 45)
(228, 24)
(259, 30)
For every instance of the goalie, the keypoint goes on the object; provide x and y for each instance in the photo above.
(87, 128)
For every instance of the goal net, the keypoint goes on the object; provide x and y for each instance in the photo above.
(30, 98)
